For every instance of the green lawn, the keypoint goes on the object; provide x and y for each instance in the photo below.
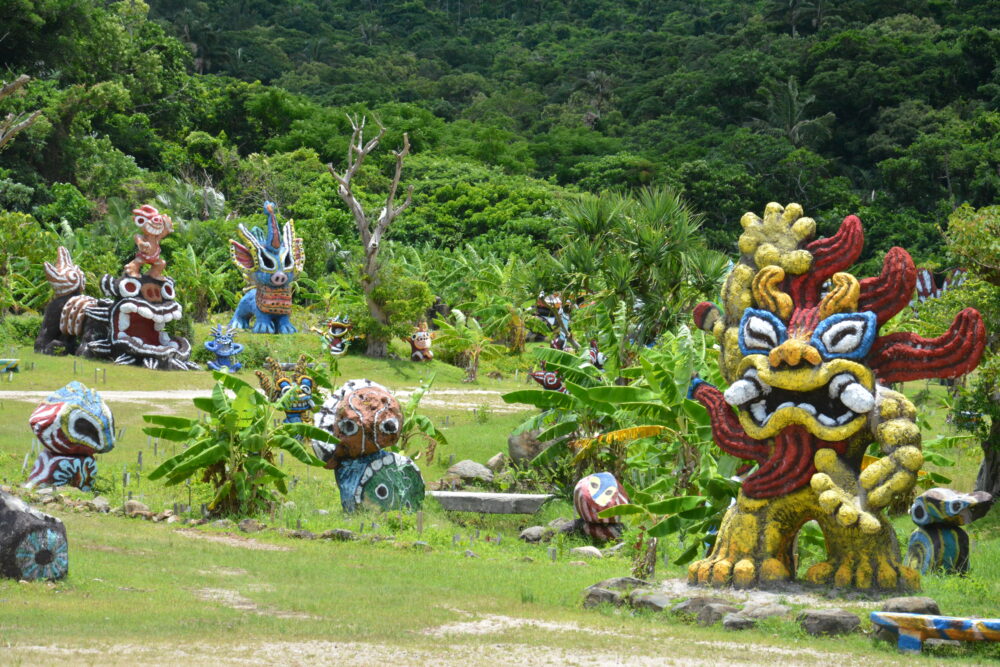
(155, 588)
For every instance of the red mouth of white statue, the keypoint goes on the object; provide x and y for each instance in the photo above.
(142, 326)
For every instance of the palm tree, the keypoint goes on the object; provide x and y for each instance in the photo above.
(466, 337)
(784, 111)
(644, 250)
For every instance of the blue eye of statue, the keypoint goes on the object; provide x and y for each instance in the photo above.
(760, 332)
(845, 335)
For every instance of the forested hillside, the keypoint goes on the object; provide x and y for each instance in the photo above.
(885, 109)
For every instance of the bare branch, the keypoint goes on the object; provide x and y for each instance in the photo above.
(9, 88)
(12, 124)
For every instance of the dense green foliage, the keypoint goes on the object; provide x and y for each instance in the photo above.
(886, 109)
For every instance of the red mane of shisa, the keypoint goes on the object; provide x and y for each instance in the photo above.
(895, 357)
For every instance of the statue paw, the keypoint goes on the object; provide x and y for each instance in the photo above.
(743, 573)
(213, 366)
(864, 571)
(236, 366)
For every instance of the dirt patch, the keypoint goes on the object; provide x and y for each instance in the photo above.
(662, 650)
(791, 593)
(469, 399)
(234, 600)
(232, 540)
(225, 571)
(489, 624)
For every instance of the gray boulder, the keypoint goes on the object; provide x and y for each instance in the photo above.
(470, 470)
(693, 606)
(497, 462)
(646, 599)
(595, 595)
(912, 605)
(759, 610)
(586, 552)
(738, 622)
(828, 621)
(621, 584)
(535, 534)
(714, 612)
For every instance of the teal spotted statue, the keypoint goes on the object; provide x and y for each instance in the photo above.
(939, 543)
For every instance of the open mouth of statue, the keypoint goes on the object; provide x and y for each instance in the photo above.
(142, 326)
(834, 404)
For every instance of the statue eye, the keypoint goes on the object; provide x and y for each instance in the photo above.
(389, 426)
(129, 286)
(168, 289)
(955, 507)
(760, 332)
(83, 428)
(848, 335)
(347, 426)
(267, 262)
(288, 261)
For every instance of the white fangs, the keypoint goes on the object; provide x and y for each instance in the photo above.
(746, 389)
(749, 393)
(857, 398)
(740, 392)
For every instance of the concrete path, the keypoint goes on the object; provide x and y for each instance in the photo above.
(465, 399)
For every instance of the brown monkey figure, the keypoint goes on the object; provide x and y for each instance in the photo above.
(154, 226)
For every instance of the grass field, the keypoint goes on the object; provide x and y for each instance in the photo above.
(141, 592)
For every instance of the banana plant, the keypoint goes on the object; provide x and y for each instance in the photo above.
(233, 446)
(416, 424)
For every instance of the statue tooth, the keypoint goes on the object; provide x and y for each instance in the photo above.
(838, 383)
(741, 391)
(857, 398)
(164, 338)
(159, 324)
(826, 421)
(123, 321)
(786, 404)
(759, 411)
(808, 408)
(173, 344)
(122, 335)
(145, 312)
(844, 418)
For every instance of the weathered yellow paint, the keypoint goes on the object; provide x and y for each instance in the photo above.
(754, 544)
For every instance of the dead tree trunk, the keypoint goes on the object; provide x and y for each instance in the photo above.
(371, 234)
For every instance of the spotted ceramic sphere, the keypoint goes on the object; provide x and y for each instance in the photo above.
(363, 415)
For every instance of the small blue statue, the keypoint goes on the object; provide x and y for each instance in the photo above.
(224, 348)
(270, 265)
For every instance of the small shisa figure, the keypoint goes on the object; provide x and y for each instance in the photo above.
(281, 382)
(154, 226)
(336, 332)
(224, 348)
(550, 379)
(368, 420)
(420, 344)
(72, 425)
(593, 494)
(270, 263)
(939, 542)
(597, 358)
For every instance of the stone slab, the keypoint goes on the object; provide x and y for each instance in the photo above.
(490, 503)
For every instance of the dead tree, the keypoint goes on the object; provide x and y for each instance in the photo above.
(371, 234)
(13, 123)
